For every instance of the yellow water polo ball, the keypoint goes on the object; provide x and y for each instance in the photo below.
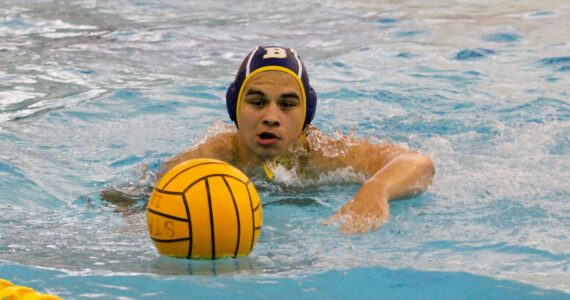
(204, 209)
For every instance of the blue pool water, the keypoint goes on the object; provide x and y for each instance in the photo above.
(90, 92)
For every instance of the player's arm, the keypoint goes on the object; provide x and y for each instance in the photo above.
(393, 173)
(400, 172)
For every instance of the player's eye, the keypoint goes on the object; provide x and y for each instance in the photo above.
(256, 101)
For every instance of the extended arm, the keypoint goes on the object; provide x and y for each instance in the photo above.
(404, 176)
(400, 174)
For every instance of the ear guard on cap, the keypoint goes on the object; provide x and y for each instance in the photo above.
(231, 101)
(311, 106)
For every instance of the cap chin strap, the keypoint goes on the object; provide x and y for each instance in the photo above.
(269, 165)
(267, 169)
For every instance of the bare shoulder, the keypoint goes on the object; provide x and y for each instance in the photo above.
(369, 157)
(220, 146)
(328, 153)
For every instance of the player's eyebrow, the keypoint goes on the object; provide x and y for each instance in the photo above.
(254, 92)
(290, 95)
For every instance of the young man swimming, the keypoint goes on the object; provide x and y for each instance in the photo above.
(272, 105)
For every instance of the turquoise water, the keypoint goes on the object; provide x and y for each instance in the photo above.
(91, 91)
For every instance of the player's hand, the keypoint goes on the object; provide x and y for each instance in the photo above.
(367, 211)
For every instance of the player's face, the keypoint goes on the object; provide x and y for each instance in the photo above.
(271, 113)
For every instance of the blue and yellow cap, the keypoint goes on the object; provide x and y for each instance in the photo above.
(271, 59)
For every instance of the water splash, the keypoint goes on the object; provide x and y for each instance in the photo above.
(330, 146)
(218, 127)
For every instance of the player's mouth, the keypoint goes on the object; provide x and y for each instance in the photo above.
(267, 138)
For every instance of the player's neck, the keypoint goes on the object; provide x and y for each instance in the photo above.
(245, 157)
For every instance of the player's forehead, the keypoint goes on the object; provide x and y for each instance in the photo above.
(273, 79)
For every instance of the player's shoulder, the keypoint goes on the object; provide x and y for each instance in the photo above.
(339, 150)
(222, 145)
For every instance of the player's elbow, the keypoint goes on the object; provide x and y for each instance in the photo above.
(422, 167)
(427, 164)
(426, 167)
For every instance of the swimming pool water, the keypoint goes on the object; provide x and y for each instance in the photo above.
(92, 91)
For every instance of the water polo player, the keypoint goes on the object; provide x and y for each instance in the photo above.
(272, 105)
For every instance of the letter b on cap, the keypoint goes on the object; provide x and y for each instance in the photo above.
(275, 52)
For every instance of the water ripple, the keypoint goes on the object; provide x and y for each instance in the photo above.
(502, 37)
(467, 54)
